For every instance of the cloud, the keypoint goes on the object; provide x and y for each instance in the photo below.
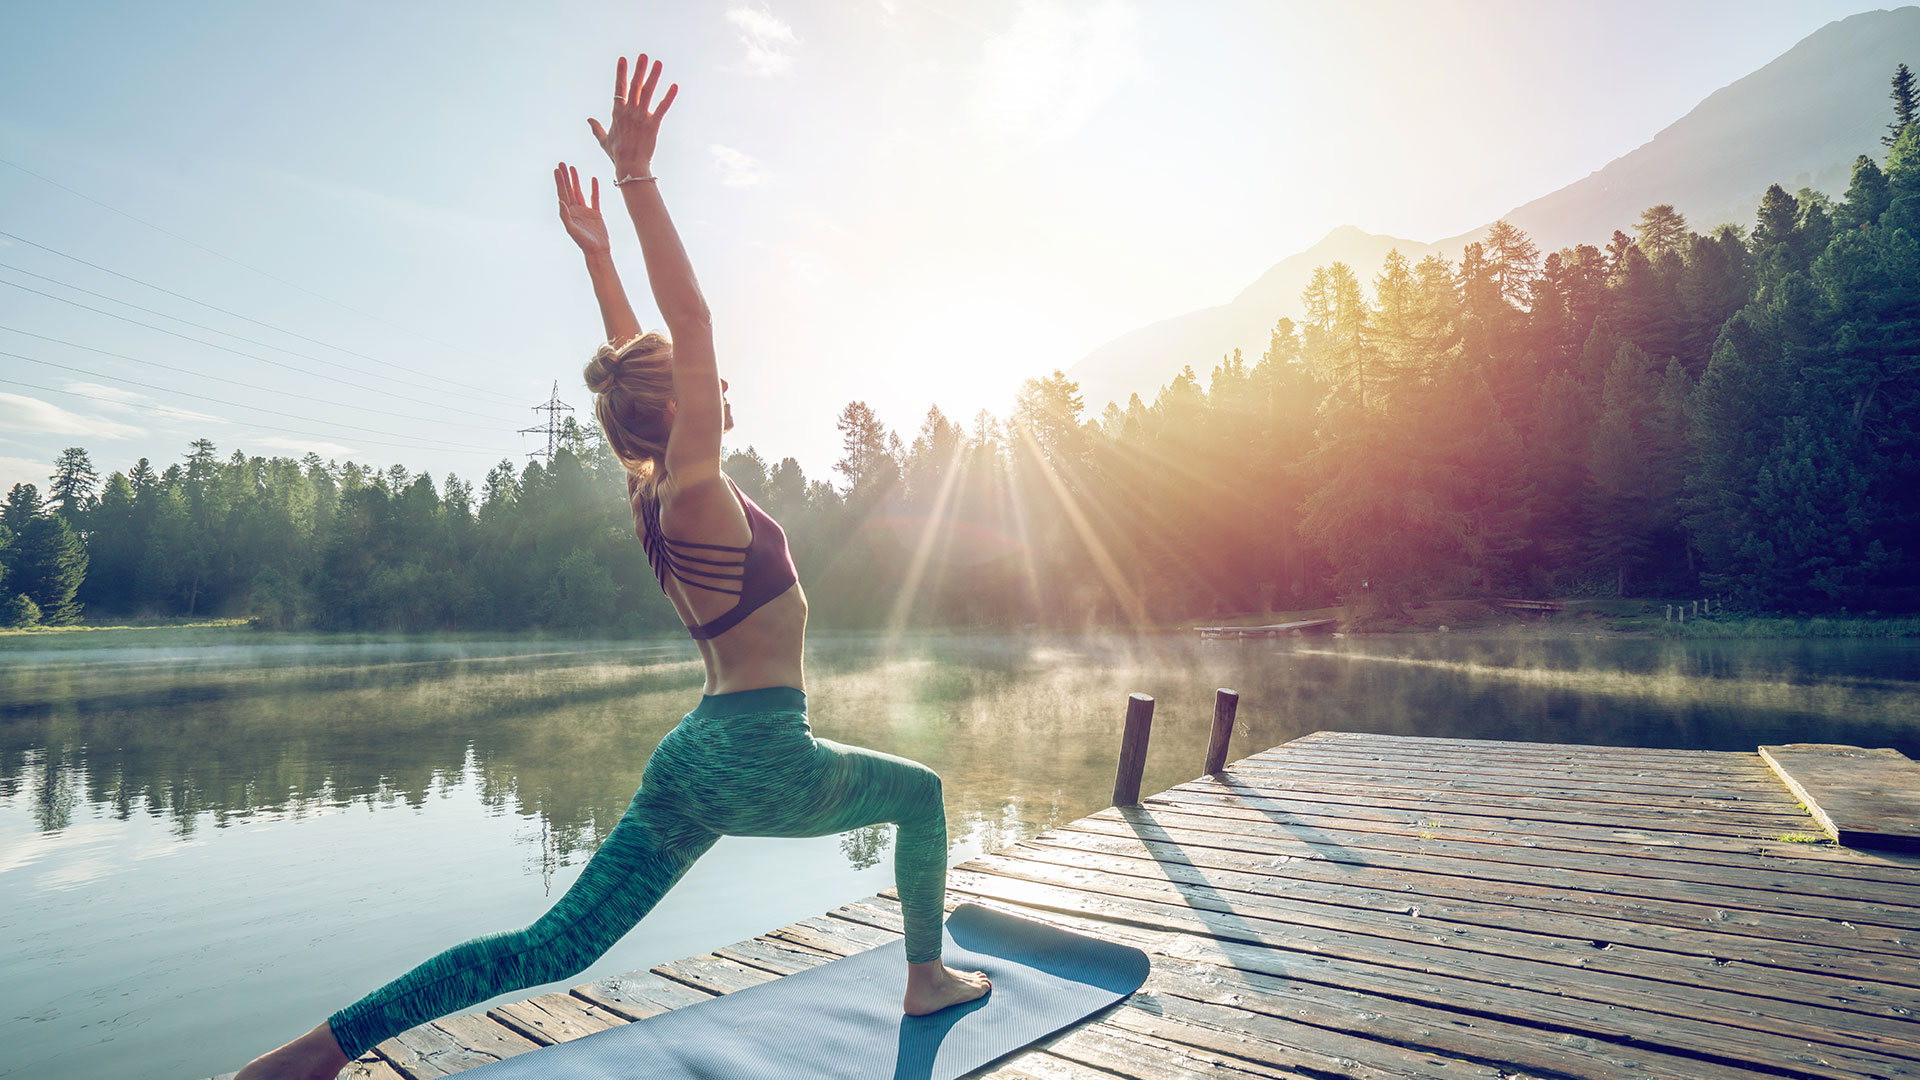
(302, 446)
(737, 170)
(125, 400)
(1057, 65)
(769, 41)
(21, 413)
(19, 470)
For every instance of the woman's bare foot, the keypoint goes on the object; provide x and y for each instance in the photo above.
(933, 986)
(313, 1056)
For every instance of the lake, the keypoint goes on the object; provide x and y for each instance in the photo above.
(209, 840)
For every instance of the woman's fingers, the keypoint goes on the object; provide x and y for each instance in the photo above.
(620, 83)
(639, 77)
(653, 79)
(672, 89)
(596, 194)
(560, 185)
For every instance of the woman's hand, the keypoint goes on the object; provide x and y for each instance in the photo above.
(581, 217)
(629, 137)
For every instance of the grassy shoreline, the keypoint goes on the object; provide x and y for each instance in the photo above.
(1626, 617)
(1580, 618)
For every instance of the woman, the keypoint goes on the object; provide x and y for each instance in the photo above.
(745, 761)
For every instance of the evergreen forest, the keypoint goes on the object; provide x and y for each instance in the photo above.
(1662, 413)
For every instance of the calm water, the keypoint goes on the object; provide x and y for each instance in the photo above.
(207, 847)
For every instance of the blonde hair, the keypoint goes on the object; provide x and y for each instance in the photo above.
(632, 384)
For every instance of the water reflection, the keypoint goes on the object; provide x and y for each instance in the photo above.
(1023, 729)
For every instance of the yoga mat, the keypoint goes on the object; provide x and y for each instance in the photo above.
(842, 1019)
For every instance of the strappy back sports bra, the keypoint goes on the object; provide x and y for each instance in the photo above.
(756, 573)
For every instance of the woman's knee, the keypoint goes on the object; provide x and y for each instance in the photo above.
(925, 794)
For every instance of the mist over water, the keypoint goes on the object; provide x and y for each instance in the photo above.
(207, 847)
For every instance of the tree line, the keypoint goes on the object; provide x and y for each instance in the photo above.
(1669, 411)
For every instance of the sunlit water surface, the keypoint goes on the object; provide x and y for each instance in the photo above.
(206, 848)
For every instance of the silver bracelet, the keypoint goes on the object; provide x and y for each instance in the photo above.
(635, 179)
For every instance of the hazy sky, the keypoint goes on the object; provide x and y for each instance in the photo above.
(904, 202)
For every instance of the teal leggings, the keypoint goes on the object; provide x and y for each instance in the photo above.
(743, 764)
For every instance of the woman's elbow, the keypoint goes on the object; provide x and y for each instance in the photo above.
(691, 319)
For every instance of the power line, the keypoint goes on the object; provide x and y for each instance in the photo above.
(442, 445)
(553, 407)
(198, 341)
(231, 259)
(216, 378)
(498, 398)
(133, 405)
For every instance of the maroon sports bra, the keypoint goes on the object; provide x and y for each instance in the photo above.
(756, 573)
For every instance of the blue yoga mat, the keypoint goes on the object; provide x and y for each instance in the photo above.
(843, 1019)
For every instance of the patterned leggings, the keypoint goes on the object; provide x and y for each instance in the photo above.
(743, 764)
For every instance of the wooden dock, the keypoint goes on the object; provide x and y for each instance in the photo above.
(1373, 907)
(1286, 629)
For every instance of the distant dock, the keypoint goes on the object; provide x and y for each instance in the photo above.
(1286, 629)
(1376, 907)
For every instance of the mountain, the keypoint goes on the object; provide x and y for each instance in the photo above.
(1799, 121)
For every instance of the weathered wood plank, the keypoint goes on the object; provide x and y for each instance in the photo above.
(1738, 985)
(1862, 798)
(779, 957)
(1896, 923)
(1698, 940)
(370, 1067)
(1676, 817)
(1502, 748)
(1659, 779)
(1472, 751)
(555, 1018)
(1596, 798)
(638, 994)
(713, 973)
(1300, 864)
(1788, 856)
(1517, 851)
(1669, 818)
(1628, 1005)
(451, 1045)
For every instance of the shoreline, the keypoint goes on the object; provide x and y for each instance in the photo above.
(1580, 618)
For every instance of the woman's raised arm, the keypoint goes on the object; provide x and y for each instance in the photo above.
(588, 229)
(693, 449)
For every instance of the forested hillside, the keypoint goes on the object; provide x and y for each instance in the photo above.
(1657, 412)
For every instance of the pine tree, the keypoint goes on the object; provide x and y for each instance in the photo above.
(1867, 196)
(1620, 460)
(863, 443)
(71, 487)
(1779, 212)
(1903, 182)
(49, 563)
(1514, 261)
(1048, 410)
(113, 548)
(1663, 231)
(1904, 104)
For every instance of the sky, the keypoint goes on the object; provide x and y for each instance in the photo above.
(332, 227)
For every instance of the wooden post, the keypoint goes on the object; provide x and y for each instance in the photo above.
(1669, 612)
(1225, 703)
(1696, 607)
(1133, 750)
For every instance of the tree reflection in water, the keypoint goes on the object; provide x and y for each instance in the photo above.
(1023, 729)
